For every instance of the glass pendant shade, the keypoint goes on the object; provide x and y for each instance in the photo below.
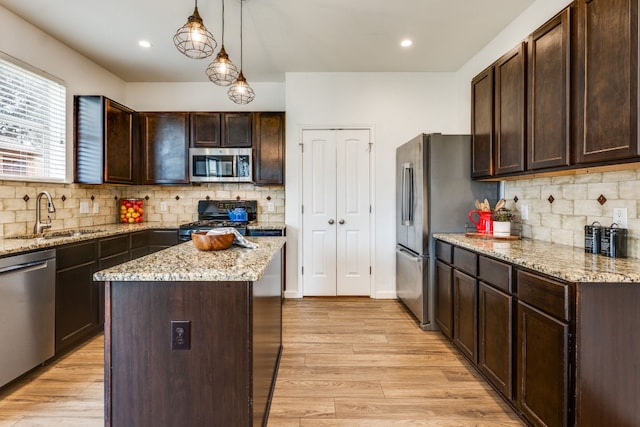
(193, 39)
(222, 71)
(240, 92)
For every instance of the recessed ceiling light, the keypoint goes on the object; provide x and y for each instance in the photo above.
(144, 43)
(406, 42)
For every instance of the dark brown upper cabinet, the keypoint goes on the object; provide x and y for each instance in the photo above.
(482, 124)
(549, 94)
(236, 130)
(225, 130)
(268, 148)
(165, 148)
(206, 129)
(106, 141)
(510, 111)
(606, 81)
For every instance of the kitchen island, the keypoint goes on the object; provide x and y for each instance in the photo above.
(193, 338)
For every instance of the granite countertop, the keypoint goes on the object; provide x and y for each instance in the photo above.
(186, 263)
(562, 262)
(14, 245)
(267, 226)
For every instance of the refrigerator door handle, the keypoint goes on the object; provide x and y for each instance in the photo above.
(407, 194)
(409, 255)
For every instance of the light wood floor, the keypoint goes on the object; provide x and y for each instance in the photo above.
(346, 362)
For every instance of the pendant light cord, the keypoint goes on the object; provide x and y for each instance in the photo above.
(241, 30)
(222, 39)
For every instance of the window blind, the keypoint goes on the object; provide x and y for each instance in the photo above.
(32, 124)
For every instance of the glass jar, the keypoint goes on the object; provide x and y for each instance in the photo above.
(131, 211)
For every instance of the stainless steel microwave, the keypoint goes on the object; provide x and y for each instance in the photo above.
(220, 165)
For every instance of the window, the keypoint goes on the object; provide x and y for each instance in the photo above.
(32, 123)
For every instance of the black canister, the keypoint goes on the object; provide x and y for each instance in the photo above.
(613, 241)
(592, 235)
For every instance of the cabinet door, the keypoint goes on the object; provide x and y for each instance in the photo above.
(236, 130)
(543, 367)
(77, 295)
(106, 143)
(444, 298)
(606, 110)
(165, 148)
(465, 291)
(120, 148)
(510, 134)
(162, 239)
(495, 316)
(482, 124)
(206, 129)
(268, 148)
(549, 94)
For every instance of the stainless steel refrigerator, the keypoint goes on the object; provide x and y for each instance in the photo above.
(434, 195)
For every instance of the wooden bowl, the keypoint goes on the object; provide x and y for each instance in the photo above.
(212, 242)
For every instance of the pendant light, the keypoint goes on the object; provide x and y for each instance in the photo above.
(193, 39)
(222, 71)
(240, 92)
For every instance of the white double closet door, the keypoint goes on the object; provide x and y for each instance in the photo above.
(336, 212)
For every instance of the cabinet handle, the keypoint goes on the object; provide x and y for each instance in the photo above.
(331, 221)
(341, 221)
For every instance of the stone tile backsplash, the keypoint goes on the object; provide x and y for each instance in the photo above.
(576, 204)
(17, 216)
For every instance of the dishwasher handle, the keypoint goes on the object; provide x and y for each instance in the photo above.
(28, 266)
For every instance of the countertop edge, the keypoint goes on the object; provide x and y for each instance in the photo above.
(562, 262)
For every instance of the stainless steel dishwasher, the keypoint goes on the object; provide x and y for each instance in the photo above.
(27, 312)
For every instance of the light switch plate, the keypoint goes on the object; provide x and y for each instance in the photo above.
(96, 207)
(84, 207)
(524, 212)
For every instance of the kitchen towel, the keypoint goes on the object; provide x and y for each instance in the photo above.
(238, 238)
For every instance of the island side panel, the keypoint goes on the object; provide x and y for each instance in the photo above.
(151, 384)
(608, 354)
(267, 337)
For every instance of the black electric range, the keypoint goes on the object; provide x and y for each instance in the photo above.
(214, 214)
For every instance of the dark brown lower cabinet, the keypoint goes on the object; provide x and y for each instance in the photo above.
(465, 291)
(162, 239)
(543, 367)
(77, 315)
(444, 298)
(495, 343)
(560, 353)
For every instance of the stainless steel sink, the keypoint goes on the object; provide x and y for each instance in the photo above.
(58, 234)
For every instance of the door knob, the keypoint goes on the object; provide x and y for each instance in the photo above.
(331, 221)
(341, 221)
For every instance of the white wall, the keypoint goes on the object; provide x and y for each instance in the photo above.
(398, 106)
(28, 44)
(518, 30)
(201, 96)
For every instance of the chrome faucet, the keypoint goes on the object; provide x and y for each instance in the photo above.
(40, 226)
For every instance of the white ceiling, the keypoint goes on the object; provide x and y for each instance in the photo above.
(279, 35)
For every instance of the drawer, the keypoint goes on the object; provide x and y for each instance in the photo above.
(113, 245)
(547, 295)
(113, 260)
(75, 254)
(139, 239)
(465, 260)
(167, 237)
(444, 251)
(495, 273)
